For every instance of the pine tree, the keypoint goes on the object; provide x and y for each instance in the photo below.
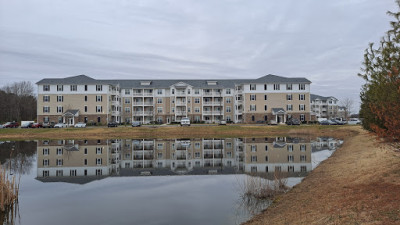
(380, 95)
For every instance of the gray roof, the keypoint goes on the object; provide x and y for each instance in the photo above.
(71, 111)
(276, 110)
(222, 83)
(314, 97)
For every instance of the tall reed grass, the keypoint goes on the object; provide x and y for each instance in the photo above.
(9, 188)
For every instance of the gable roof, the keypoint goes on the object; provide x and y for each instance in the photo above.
(315, 97)
(203, 83)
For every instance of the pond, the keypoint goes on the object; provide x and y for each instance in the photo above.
(152, 181)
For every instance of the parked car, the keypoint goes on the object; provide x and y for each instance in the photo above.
(36, 125)
(11, 125)
(293, 121)
(48, 125)
(354, 121)
(1, 126)
(327, 122)
(273, 122)
(60, 125)
(112, 124)
(185, 121)
(222, 122)
(338, 122)
(27, 125)
(136, 124)
(80, 125)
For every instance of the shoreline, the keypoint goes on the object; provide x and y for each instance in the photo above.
(358, 184)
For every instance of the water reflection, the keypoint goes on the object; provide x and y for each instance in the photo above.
(61, 160)
(145, 177)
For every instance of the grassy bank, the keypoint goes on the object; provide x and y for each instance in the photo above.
(168, 132)
(359, 184)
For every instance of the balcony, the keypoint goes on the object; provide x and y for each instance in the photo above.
(148, 103)
(143, 113)
(180, 103)
(213, 156)
(213, 103)
(180, 113)
(181, 157)
(115, 113)
(180, 93)
(143, 157)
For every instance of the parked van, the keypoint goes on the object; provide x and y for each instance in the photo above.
(185, 121)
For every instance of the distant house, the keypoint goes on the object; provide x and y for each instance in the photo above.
(326, 107)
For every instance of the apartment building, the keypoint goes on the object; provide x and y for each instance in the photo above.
(325, 107)
(84, 99)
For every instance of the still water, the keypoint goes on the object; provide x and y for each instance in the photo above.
(152, 181)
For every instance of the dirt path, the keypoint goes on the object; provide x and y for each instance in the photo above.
(359, 184)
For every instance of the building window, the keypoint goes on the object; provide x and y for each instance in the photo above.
(99, 161)
(252, 107)
(254, 158)
(303, 168)
(197, 100)
(60, 109)
(302, 97)
(196, 91)
(278, 169)
(85, 151)
(289, 87)
(46, 173)
(302, 87)
(253, 148)
(99, 172)
(265, 97)
(265, 87)
(127, 109)
(252, 87)
(86, 88)
(46, 87)
(159, 100)
(290, 169)
(99, 108)
(46, 162)
(127, 100)
(127, 91)
(228, 91)
(59, 173)
(290, 158)
(289, 97)
(290, 148)
(99, 98)
(60, 88)
(197, 145)
(74, 87)
(302, 117)
(196, 109)
(172, 91)
(59, 151)
(303, 148)
(85, 98)
(302, 107)
(86, 108)
(159, 109)
(59, 162)
(252, 97)
(253, 118)
(289, 107)
(60, 98)
(303, 158)
(45, 151)
(228, 100)
(277, 87)
(99, 150)
(99, 87)
(46, 98)
(265, 107)
(266, 148)
(228, 109)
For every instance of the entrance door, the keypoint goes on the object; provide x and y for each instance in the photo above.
(70, 121)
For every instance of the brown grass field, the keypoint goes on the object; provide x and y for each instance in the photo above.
(358, 184)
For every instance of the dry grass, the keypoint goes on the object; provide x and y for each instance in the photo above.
(170, 132)
(8, 197)
(358, 184)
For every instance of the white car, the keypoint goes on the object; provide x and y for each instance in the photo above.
(80, 124)
(1, 126)
(60, 125)
(185, 121)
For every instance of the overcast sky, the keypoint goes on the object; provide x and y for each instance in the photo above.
(322, 40)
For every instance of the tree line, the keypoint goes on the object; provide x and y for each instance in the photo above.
(17, 102)
(380, 95)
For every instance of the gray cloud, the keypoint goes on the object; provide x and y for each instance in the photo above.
(321, 40)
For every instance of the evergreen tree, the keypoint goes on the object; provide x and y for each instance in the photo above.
(380, 95)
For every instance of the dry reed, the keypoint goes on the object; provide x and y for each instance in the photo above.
(9, 190)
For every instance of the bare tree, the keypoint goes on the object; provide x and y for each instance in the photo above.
(347, 103)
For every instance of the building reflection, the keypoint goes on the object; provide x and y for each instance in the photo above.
(81, 161)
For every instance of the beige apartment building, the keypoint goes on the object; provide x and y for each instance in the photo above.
(84, 99)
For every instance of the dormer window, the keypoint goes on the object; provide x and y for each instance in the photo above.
(145, 83)
(211, 82)
(252, 87)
